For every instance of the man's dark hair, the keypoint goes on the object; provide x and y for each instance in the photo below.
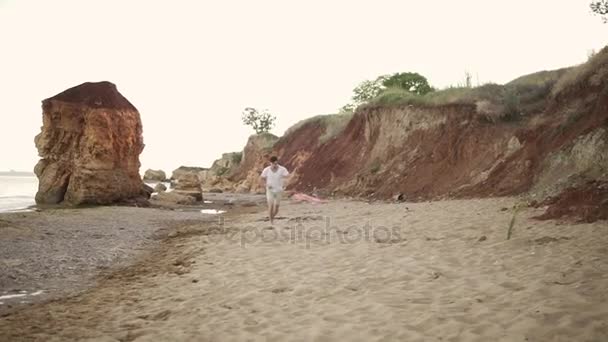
(273, 159)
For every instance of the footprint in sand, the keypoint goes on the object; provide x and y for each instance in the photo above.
(281, 290)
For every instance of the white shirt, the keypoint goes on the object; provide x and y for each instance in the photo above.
(274, 179)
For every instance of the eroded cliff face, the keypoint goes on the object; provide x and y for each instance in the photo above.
(557, 148)
(421, 152)
(89, 146)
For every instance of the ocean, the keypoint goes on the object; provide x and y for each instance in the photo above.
(17, 191)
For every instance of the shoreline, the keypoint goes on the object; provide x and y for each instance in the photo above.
(56, 252)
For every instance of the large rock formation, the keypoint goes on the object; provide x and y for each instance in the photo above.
(255, 156)
(189, 184)
(185, 181)
(90, 144)
(216, 179)
(182, 170)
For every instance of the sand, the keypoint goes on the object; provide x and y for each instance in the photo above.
(439, 271)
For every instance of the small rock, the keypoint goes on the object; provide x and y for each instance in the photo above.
(160, 187)
(483, 238)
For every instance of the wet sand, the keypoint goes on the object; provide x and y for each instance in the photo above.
(439, 271)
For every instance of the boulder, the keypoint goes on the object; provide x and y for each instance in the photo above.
(175, 198)
(225, 165)
(182, 170)
(197, 195)
(155, 175)
(189, 184)
(147, 190)
(89, 145)
(160, 187)
(242, 189)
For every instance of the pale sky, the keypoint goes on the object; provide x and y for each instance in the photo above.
(190, 67)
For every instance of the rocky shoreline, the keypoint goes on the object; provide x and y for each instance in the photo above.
(48, 254)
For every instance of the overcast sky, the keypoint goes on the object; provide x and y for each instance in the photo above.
(190, 67)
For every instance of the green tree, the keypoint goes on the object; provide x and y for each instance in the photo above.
(367, 89)
(601, 8)
(363, 93)
(261, 122)
(410, 81)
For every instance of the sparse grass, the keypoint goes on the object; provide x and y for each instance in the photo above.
(451, 95)
(237, 157)
(266, 140)
(375, 167)
(333, 123)
(525, 95)
(538, 78)
(592, 73)
(221, 171)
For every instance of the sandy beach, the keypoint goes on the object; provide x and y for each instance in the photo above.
(349, 270)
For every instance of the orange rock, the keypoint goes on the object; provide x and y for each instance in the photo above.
(90, 144)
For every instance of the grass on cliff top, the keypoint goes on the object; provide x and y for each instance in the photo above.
(539, 78)
(524, 95)
(333, 123)
(451, 95)
(591, 73)
(530, 87)
(530, 90)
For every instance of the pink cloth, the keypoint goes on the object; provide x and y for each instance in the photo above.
(306, 198)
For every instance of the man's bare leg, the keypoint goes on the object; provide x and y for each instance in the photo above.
(276, 210)
(271, 212)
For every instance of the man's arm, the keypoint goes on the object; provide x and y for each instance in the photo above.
(288, 177)
(263, 175)
(287, 174)
(262, 180)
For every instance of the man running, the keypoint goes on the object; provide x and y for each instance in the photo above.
(273, 175)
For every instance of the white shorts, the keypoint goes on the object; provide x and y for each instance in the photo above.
(273, 197)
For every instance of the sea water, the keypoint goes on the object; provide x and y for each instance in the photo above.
(17, 192)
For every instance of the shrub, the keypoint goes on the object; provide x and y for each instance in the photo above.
(237, 157)
(375, 167)
(510, 102)
(591, 73)
(221, 171)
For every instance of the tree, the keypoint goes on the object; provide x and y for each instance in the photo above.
(410, 81)
(601, 8)
(261, 122)
(367, 89)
